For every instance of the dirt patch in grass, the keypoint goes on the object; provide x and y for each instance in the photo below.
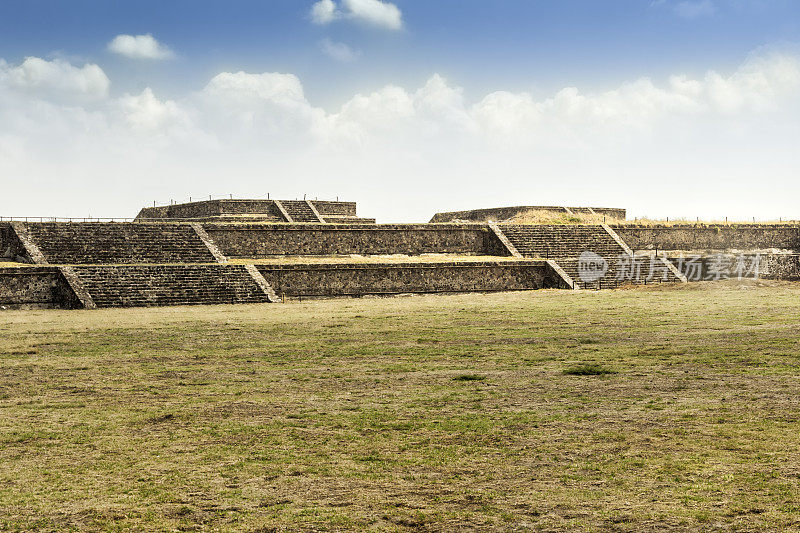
(469, 377)
(588, 369)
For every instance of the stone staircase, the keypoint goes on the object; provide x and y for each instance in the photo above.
(299, 210)
(609, 281)
(96, 243)
(565, 244)
(158, 285)
(554, 241)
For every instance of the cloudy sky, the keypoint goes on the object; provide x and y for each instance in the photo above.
(676, 108)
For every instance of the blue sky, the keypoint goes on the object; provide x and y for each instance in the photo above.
(526, 49)
(513, 44)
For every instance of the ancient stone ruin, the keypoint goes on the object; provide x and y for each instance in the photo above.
(265, 251)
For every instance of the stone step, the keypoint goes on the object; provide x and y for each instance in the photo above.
(96, 243)
(565, 243)
(156, 285)
(299, 211)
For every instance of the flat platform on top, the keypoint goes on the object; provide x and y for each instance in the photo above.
(372, 259)
(327, 259)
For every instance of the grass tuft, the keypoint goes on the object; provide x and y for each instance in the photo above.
(469, 377)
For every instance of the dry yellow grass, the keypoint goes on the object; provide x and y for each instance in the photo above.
(367, 259)
(695, 222)
(536, 216)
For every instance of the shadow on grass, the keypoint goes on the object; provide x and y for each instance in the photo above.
(588, 369)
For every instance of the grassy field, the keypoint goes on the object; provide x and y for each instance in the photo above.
(641, 409)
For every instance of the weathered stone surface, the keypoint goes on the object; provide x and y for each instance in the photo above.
(724, 266)
(780, 266)
(711, 237)
(212, 208)
(398, 278)
(335, 208)
(257, 210)
(95, 242)
(261, 282)
(11, 248)
(264, 240)
(565, 244)
(499, 214)
(77, 287)
(104, 258)
(212, 247)
(35, 288)
(158, 285)
(505, 247)
(32, 251)
(300, 211)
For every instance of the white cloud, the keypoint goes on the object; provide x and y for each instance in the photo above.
(257, 130)
(145, 112)
(139, 47)
(324, 12)
(338, 51)
(247, 107)
(57, 80)
(242, 90)
(374, 12)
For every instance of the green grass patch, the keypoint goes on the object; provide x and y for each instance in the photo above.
(435, 412)
(469, 377)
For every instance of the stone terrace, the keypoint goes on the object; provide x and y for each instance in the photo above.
(565, 243)
(174, 263)
(92, 242)
(185, 254)
(258, 210)
(158, 285)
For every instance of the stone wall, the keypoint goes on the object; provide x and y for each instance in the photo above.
(780, 266)
(394, 278)
(160, 285)
(147, 213)
(711, 237)
(263, 240)
(724, 266)
(498, 214)
(211, 208)
(35, 288)
(222, 207)
(11, 248)
(335, 208)
(98, 242)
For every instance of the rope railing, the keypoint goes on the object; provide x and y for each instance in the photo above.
(156, 203)
(699, 220)
(68, 219)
